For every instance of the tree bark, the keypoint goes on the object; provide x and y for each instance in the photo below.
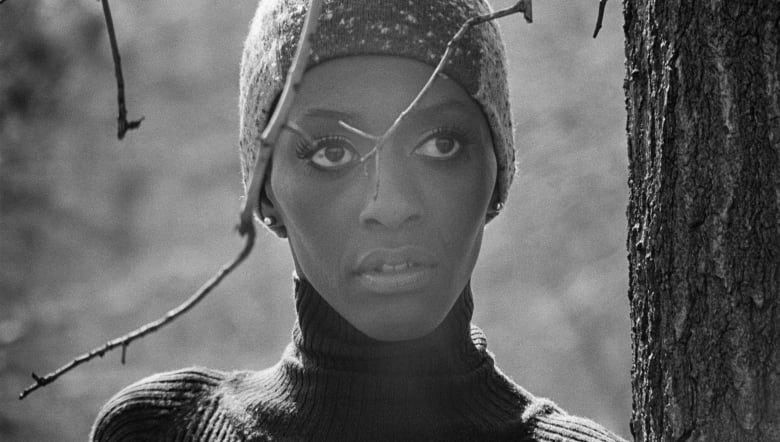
(703, 91)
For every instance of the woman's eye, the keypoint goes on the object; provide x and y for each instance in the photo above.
(333, 153)
(441, 146)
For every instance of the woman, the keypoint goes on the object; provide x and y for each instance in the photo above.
(384, 242)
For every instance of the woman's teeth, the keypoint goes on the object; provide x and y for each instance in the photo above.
(387, 268)
(396, 275)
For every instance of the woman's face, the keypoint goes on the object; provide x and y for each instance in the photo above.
(391, 242)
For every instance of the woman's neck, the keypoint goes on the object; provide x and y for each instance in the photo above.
(323, 339)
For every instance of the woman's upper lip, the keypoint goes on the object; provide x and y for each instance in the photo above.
(376, 258)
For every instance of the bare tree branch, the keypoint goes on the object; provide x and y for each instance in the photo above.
(151, 327)
(294, 128)
(122, 124)
(600, 18)
(279, 118)
(524, 6)
(246, 227)
(357, 131)
(521, 6)
(268, 139)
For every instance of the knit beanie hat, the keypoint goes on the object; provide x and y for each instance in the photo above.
(415, 29)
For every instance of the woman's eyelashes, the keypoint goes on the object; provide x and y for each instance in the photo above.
(441, 144)
(335, 152)
(328, 153)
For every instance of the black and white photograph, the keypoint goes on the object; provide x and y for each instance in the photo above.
(390, 220)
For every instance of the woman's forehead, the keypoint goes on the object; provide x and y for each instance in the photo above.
(355, 87)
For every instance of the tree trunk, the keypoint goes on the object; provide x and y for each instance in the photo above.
(703, 92)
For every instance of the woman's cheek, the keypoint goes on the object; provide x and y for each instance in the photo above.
(320, 217)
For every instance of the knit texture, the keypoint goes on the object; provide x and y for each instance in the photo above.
(335, 383)
(419, 30)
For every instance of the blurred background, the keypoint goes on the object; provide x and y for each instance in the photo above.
(98, 236)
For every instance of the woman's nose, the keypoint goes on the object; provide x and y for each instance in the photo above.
(392, 194)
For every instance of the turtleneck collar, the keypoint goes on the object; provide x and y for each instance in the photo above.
(323, 339)
(336, 383)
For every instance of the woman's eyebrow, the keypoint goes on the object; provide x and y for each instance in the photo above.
(355, 117)
(331, 114)
(446, 105)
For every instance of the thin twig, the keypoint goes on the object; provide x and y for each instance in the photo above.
(122, 124)
(246, 227)
(267, 141)
(524, 6)
(151, 327)
(600, 19)
(297, 130)
(521, 6)
(357, 131)
(279, 118)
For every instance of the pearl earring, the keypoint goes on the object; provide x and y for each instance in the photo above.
(269, 221)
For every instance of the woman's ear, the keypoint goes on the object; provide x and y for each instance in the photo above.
(495, 206)
(269, 214)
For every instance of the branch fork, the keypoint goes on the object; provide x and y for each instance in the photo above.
(123, 125)
(267, 141)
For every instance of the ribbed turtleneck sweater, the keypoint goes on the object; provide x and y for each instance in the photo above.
(335, 383)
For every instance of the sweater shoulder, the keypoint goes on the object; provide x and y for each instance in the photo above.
(549, 423)
(164, 406)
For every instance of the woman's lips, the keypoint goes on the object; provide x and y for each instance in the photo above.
(396, 270)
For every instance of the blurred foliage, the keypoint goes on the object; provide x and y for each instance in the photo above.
(99, 236)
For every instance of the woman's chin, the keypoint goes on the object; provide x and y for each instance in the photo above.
(397, 329)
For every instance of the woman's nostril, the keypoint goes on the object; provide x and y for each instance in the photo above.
(390, 209)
